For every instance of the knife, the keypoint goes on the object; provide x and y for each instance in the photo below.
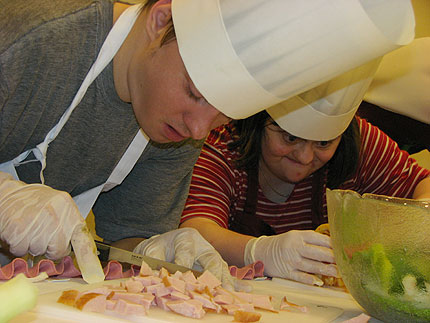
(107, 252)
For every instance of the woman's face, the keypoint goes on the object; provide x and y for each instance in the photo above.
(292, 159)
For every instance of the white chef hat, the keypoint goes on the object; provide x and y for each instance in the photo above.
(323, 113)
(247, 55)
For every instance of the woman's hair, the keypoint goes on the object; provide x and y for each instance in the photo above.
(169, 33)
(340, 167)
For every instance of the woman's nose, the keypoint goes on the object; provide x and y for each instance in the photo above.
(304, 152)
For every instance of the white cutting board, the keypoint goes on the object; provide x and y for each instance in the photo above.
(48, 310)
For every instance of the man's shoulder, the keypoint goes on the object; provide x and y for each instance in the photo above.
(20, 17)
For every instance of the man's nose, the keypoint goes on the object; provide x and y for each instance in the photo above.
(202, 122)
(304, 152)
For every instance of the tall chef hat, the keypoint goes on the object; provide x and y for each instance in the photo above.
(247, 55)
(324, 112)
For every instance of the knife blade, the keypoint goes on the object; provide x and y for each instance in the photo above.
(107, 252)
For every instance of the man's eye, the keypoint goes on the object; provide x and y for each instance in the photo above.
(194, 97)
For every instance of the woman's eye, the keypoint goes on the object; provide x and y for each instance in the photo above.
(324, 144)
(290, 138)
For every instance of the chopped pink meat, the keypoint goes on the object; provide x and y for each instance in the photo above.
(139, 298)
(158, 290)
(286, 305)
(175, 295)
(208, 279)
(101, 290)
(223, 299)
(92, 302)
(133, 286)
(206, 301)
(161, 302)
(145, 270)
(263, 301)
(110, 304)
(163, 273)
(194, 286)
(189, 277)
(145, 281)
(156, 280)
(230, 308)
(177, 275)
(174, 284)
(188, 308)
(125, 307)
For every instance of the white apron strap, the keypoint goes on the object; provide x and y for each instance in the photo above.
(86, 200)
(111, 45)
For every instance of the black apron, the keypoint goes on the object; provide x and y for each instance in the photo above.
(248, 223)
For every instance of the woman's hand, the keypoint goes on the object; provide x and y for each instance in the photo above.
(296, 255)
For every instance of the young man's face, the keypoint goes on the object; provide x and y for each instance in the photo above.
(166, 103)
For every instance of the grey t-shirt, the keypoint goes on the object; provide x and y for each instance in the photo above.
(46, 50)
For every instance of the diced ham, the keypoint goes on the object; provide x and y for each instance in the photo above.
(174, 284)
(263, 301)
(145, 270)
(144, 299)
(194, 286)
(163, 273)
(230, 308)
(161, 302)
(286, 305)
(110, 304)
(92, 302)
(242, 316)
(206, 301)
(208, 279)
(133, 286)
(246, 307)
(101, 290)
(156, 280)
(178, 296)
(177, 275)
(68, 297)
(181, 293)
(124, 307)
(189, 308)
(145, 281)
(158, 290)
(189, 277)
(223, 299)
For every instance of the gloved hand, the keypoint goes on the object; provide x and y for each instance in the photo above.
(37, 219)
(296, 255)
(186, 247)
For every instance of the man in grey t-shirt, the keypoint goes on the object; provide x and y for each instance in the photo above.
(46, 50)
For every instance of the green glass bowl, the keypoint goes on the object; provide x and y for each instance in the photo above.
(382, 249)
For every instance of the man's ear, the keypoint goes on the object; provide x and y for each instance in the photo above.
(158, 17)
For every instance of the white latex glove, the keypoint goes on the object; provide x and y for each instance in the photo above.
(296, 255)
(186, 247)
(36, 219)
